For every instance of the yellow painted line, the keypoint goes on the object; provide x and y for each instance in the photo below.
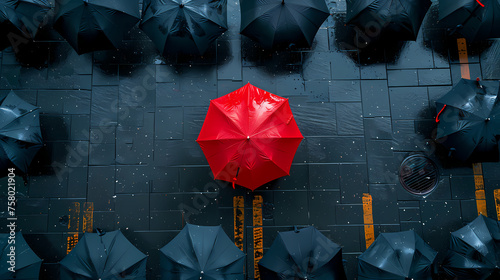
(239, 221)
(73, 226)
(88, 217)
(463, 57)
(496, 194)
(258, 234)
(368, 219)
(480, 194)
(476, 167)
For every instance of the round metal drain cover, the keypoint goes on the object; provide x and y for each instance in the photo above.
(418, 174)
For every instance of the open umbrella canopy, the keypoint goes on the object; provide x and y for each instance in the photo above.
(249, 137)
(399, 20)
(277, 23)
(473, 20)
(302, 254)
(202, 253)
(20, 135)
(469, 118)
(91, 25)
(397, 256)
(474, 250)
(104, 256)
(184, 26)
(20, 20)
(27, 263)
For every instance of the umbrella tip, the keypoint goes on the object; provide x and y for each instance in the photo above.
(181, 5)
(282, 2)
(478, 79)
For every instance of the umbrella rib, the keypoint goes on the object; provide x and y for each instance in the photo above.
(29, 112)
(229, 119)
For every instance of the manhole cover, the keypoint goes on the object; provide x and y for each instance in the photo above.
(418, 174)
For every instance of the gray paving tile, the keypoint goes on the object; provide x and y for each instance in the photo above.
(132, 211)
(437, 215)
(324, 176)
(169, 123)
(409, 103)
(345, 91)
(317, 91)
(230, 65)
(343, 68)
(374, 72)
(314, 119)
(353, 175)
(434, 77)
(349, 118)
(336, 149)
(413, 55)
(402, 78)
(384, 203)
(375, 97)
(316, 65)
(291, 208)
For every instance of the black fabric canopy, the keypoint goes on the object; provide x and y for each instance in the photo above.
(202, 253)
(470, 19)
(397, 256)
(184, 26)
(475, 250)
(20, 20)
(91, 25)
(470, 122)
(20, 135)
(397, 20)
(27, 263)
(302, 254)
(108, 256)
(282, 23)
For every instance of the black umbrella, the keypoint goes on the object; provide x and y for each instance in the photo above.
(104, 256)
(398, 20)
(278, 23)
(27, 263)
(184, 26)
(20, 135)
(468, 118)
(91, 25)
(20, 20)
(302, 254)
(202, 253)
(399, 255)
(474, 250)
(476, 20)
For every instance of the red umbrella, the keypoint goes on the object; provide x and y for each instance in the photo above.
(249, 137)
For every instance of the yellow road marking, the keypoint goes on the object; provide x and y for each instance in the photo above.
(88, 217)
(464, 59)
(368, 219)
(239, 221)
(480, 194)
(496, 194)
(476, 167)
(258, 248)
(73, 226)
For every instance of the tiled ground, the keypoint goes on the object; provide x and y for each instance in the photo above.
(120, 126)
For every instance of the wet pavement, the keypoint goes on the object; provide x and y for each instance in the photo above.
(120, 128)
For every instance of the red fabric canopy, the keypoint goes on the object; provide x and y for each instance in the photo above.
(249, 137)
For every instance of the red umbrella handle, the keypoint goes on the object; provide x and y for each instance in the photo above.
(234, 180)
(437, 117)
